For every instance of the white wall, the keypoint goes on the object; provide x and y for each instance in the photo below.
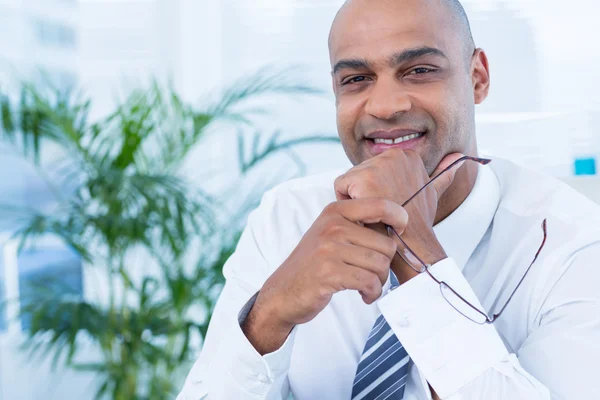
(32, 36)
(587, 185)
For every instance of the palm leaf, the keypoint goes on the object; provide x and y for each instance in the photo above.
(267, 80)
(119, 190)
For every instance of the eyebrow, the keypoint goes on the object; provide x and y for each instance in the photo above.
(412, 54)
(351, 63)
(394, 60)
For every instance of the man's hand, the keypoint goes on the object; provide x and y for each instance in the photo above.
(337, 253)
(396, 175)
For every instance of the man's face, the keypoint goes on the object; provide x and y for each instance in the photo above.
(401, 72)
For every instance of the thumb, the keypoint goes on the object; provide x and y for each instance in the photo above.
(444, 181)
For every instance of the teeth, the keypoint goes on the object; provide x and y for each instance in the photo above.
(398, 140)
(386, 141)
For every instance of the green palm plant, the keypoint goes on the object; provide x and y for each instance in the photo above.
(118, 190)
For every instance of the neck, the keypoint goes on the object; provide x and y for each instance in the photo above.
(459, 190)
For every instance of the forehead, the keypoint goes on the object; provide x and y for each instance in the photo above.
(374, 29)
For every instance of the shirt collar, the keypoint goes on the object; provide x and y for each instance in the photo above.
(460, 233)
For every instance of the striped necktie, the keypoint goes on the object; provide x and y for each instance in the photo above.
(383, 366)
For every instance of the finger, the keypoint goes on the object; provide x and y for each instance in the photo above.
(353, 184)
(368, 259)
(374, 210)
(365, 282)
(444, 181)
(371, 239)
(342, 187)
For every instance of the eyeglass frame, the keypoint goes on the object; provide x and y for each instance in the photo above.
(425, 267)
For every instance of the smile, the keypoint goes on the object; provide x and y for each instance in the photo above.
(398, 140)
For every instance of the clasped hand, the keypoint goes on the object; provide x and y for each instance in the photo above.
(347, 246)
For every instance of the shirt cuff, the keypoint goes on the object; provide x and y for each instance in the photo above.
(257, 373)
(449, 349)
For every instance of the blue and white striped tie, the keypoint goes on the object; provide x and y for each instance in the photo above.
(383, 366)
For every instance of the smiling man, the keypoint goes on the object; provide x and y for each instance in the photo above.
(421, 272)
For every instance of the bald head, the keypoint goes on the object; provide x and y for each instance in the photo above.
(457, 18)
(461, 24)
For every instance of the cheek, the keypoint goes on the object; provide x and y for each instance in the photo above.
(447, 111)
(347, 115)
(441, 105)
(459, 111)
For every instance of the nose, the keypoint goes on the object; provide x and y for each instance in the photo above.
(387, 99)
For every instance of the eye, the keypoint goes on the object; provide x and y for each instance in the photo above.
(354, 79)
(421, 71)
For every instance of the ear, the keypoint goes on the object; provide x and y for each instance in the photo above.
(480, 75)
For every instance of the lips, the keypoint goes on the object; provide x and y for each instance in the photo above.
(379, 141)
(393, 133)
(397, 140)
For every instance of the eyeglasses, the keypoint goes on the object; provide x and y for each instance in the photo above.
(457, 302)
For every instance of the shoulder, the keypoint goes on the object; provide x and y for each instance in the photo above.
(287, 211)
(306, 195)
(526, 193)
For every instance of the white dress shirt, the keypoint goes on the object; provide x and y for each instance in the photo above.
(546, 344)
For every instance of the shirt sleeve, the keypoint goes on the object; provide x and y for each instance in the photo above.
(564, 348)
(460, 359)
(228, 366)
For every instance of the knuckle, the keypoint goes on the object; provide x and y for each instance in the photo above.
(374, 285)
(370, 174)
(379, 291)
(359, 275)
(402, 215)
(339, 180)
(382, 262)
(383, 205)
(326, 248)
(327, 269)
(448, 178)
(391, 247)
(369, 254)
(331, 208)
(333, 230)
(323, 291)
(378, 260)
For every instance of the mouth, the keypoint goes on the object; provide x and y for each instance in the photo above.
(380, 141)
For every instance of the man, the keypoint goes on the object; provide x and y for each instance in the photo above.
(345, 285)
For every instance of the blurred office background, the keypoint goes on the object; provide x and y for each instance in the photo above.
(543, 111)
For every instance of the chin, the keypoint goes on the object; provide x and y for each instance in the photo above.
(355, 155)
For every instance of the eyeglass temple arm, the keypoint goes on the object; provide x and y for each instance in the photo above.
(408, 249)
(482, 161)
(525, 274)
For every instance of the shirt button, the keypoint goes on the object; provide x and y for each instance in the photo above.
(263, 378)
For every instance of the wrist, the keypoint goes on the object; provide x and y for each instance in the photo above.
(264, 330)
(425, 244)
(424, 248)
(430, 254)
